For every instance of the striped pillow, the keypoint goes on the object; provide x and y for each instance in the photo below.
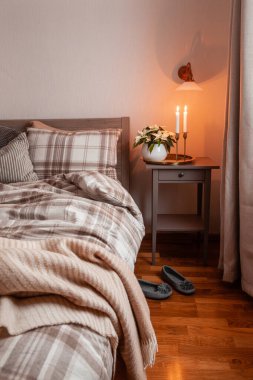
(56, 152)
(15, 163)
(6, 135)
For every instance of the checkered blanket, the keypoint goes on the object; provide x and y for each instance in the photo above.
(88, 206)
(60, 352)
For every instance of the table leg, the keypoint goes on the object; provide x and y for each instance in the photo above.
(154, 212)
(207, 195)
(199, 198)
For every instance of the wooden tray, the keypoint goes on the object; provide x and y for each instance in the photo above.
(171, 160)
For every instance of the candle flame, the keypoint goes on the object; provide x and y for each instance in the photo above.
(178, 108)
(185, 108)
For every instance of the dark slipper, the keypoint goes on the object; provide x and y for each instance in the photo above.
(177, 280)
(155, 291)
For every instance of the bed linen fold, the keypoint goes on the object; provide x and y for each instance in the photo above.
(57, 281)
(85, 205)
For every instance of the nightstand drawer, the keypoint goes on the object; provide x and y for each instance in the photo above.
(181, 175)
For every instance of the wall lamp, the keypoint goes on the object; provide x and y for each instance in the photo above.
(185, 73)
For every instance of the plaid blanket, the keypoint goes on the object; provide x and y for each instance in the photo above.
(88, 206)
(60, 352)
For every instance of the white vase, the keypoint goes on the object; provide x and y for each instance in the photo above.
(158, 153)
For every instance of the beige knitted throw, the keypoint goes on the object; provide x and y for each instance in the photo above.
(58, 281)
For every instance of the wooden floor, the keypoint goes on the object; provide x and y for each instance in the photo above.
(207, 336)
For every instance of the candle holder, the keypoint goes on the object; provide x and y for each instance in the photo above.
(185, 138)
(177, 138)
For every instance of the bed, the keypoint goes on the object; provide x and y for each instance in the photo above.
(70, 305)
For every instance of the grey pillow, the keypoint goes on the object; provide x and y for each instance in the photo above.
(6, 135)
(15, 163)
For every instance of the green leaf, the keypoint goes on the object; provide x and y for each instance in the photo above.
(151, 147)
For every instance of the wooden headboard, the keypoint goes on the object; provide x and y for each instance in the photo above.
(101, 123)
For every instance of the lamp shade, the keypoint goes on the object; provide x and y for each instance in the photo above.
(189, 86)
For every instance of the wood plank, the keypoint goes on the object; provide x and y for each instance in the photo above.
(207, 336)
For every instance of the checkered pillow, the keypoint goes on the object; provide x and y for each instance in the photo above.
(55, 152)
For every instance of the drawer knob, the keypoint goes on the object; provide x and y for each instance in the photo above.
(181, 174)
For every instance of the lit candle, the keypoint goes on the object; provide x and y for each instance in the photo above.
(177, 119)
(185, 119)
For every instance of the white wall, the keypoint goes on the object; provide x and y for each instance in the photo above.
(105, 58)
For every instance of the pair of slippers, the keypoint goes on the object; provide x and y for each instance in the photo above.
(164, 290)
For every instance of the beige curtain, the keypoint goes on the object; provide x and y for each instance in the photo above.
(236, 256)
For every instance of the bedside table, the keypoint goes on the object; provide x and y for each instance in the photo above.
(199, 172)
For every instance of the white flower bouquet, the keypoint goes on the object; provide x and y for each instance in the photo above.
(155, 134)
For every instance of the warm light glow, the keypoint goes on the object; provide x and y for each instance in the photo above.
(177, 119)
(175, 371)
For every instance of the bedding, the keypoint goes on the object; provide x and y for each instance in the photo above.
(60, 152)
(6, 135)
(100, 211)
(15, 163)
(100, 217)
(56, 352)
(70, 282)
